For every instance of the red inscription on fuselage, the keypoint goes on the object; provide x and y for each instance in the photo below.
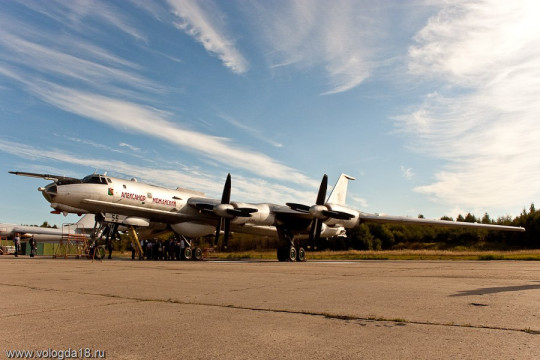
(164, 202)
(133, 196)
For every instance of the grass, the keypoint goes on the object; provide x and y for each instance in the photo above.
(531, 255)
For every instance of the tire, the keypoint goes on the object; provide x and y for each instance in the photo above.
(292, 254)
(188, 254)
(197, 254)
(301, 254)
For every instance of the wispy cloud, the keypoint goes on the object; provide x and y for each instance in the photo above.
(407, 173)
(67, 58)
(130, 147)
(76, 13)
(484, 122)
(251, 131)
(125, 115)
(206, 24)
(340, 36)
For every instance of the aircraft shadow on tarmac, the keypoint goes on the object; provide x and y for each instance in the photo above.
(498, 289)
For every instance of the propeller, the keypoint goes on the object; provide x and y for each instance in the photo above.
(320, 212)
(227, 211)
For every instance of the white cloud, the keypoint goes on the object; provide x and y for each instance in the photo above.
(205, 23)
(339, 35)
(407, 173)
(484, 123)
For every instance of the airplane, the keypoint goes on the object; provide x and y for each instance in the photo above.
(190, 214)
(50, 235)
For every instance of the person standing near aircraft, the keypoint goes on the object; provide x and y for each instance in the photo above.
(17, 244)
(32, 243)
(109, 248)
(182, 248)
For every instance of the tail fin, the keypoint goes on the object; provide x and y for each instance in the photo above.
(339, 192)
(87, 220)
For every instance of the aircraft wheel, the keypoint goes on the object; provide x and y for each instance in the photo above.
(197, 254)
(188, 254)
(301, 255)
(282, 253)
(292, 254)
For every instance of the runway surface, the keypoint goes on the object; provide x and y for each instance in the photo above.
(270, 310)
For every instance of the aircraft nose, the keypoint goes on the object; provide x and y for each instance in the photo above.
(49, 192)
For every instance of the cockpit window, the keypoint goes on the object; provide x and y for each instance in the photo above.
(94, 179)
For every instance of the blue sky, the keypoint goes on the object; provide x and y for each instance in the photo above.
(432, 105)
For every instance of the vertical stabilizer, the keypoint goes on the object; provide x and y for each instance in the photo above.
(339, 192)
(85, 224)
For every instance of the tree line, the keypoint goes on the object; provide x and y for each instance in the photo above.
(398, 236)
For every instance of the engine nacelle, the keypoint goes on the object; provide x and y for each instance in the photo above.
(190, 229)
(343, 209)
(263, 216)
(330, 231)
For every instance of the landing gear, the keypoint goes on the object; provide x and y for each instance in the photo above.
(190, 252)
(287, 251)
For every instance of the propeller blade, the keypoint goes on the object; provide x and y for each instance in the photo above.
(241, 212)
(312, 232)
(218, 229)
(226, 231)
(316, 225)
(226, 197)
(298, 207)
(321, 196)
(340, 215)
(318, 229)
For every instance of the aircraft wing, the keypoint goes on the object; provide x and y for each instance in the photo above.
(35, 230)
(54, 178)
(384, 219)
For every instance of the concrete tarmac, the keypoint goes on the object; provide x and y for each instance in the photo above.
(269, 310)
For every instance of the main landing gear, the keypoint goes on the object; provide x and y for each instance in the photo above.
(190, 252)
(287, 251)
